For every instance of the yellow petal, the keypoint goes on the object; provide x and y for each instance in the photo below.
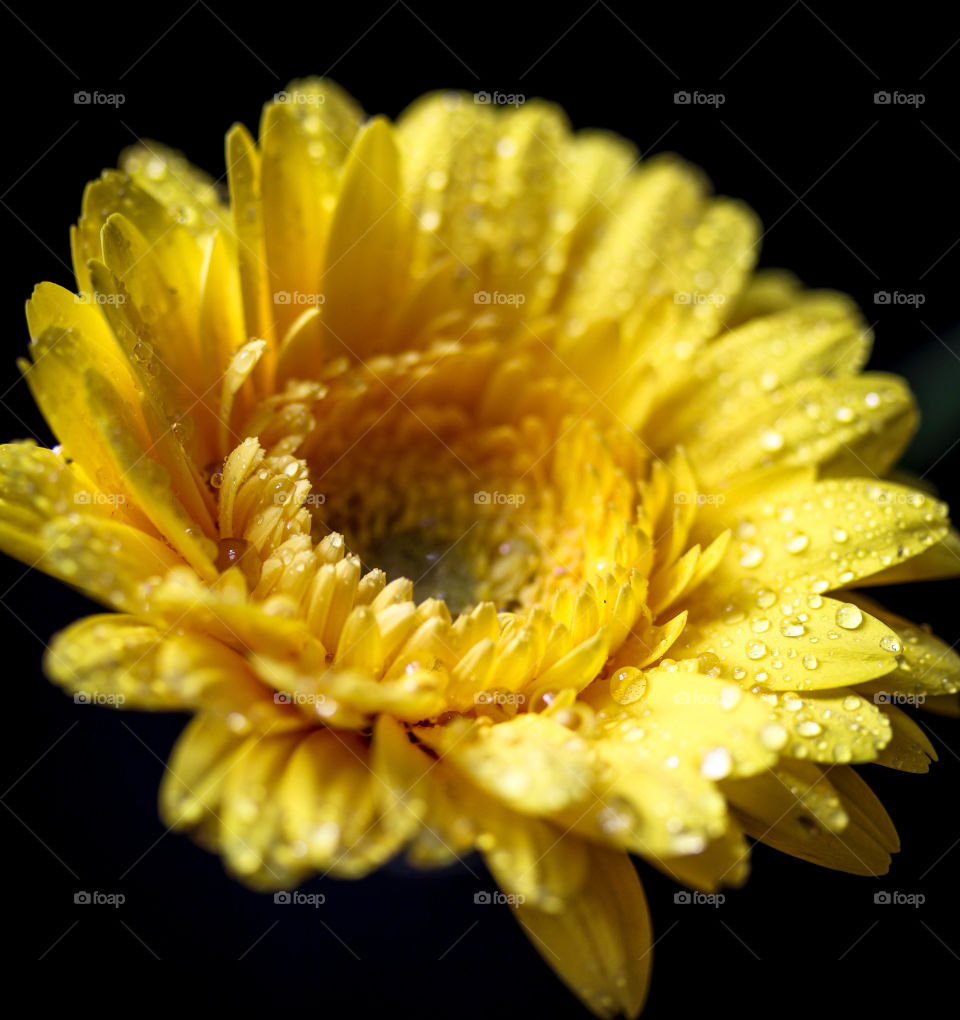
(795, 643)
(938, 561)
(111, 659)
(532, 764)
(909, 749)
(926, 666)
(369, 237)
(724, 862)
(189, 195)
(244, 173)
(304, 139)
(601, 945)
(825, 536)
(830, 818)
(834, 726)
(329, 803)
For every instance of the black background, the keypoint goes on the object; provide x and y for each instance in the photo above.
(855, 195)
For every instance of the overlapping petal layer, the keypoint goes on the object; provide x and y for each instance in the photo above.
(474, 493)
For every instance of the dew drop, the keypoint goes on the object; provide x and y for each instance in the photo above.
(796, 542)
(628, 685)
(766, 598)
(716, 764)
(756, 649)
(849, 616)
(751, 556)
(771, 440)
(773, 736)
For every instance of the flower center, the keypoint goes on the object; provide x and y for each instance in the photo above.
(460, 519)
(473, 479)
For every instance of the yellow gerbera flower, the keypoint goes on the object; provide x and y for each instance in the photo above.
(473, 492)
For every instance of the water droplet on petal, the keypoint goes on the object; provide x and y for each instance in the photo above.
(796, 542)
(766, 598)
(756, 649)
(716, 764)
(849, 616)
(791, 626)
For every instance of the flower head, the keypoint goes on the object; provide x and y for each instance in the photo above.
(469, 487)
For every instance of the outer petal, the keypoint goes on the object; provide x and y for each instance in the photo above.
(797, 643)
(830, 818)
(824, 535)
(601, 945)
